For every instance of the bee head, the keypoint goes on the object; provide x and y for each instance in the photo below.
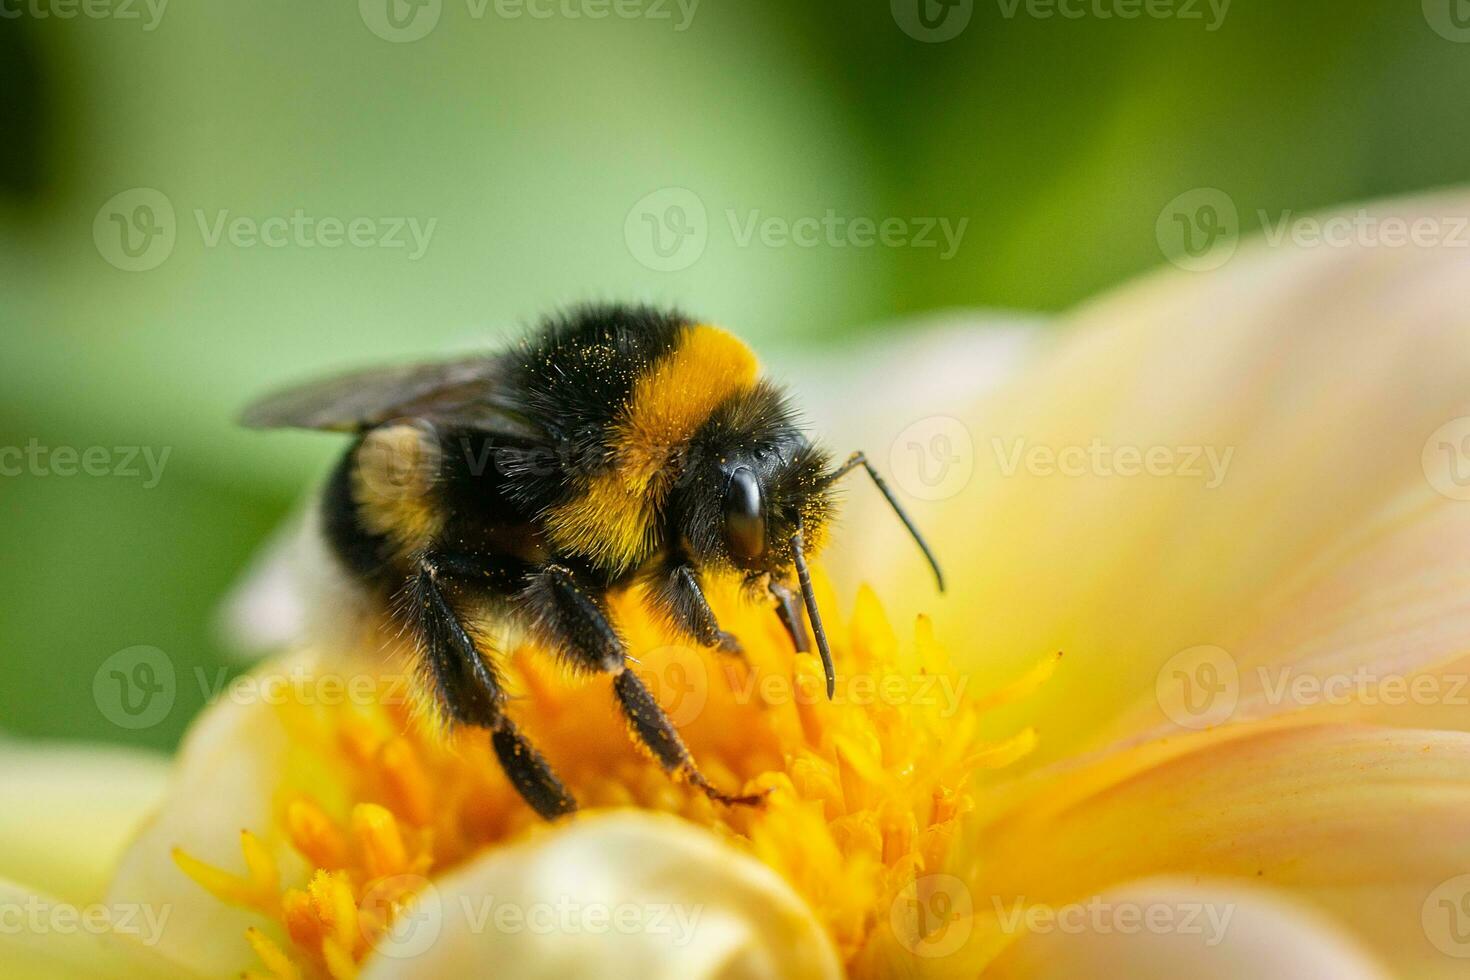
(755, 498)
(754, 482)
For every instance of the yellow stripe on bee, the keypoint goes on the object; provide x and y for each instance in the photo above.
(613, 521)
(395, 471)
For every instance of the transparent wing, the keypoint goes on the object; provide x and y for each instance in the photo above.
(472, 392)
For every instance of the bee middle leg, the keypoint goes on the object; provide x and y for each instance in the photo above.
(677, 594)
(469, 688)
(571, 616)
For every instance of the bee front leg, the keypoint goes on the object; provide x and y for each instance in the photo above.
(571, 616)
(468, 686)
(677, 594)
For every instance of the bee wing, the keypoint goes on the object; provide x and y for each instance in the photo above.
(472, 392)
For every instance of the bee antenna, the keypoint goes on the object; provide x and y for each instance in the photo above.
(804, 577)
(859, 459)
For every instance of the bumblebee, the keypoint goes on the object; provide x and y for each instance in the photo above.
(615, 447)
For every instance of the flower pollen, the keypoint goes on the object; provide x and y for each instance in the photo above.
(865, 792)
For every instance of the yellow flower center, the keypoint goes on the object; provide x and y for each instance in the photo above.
(866, 791)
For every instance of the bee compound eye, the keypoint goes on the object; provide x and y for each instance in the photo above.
(745, 523)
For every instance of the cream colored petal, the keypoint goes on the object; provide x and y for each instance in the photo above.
(67, 812)
(1287, 399)
(227, 774)
(614, 895)
(46, 938)
(1377, 630)
(1163, 929)
(1364, 823)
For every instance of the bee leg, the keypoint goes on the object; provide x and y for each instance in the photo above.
(658, 735)
(571, 617)
(469, 688)
(678, 595)
(790, 612)
(529, 772)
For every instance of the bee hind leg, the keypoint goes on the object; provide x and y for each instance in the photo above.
(572, 617)
(529, 772)
(469, 689)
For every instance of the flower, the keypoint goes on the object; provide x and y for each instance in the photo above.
(862, 789)
(1226, 497)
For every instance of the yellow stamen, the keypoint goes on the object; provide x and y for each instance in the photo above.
(271, 956)
(335, 905)
(867, 791)
(377, 835)
(1023, 686)
(314, 835)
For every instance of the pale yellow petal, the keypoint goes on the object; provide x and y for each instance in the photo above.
(1163, 929)
(1287, 399)
(1363, 823)
(227, 775)
(66, 812)
(614, 894)
(1378, 630)
(43, 937)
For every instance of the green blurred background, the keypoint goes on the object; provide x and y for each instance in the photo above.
(533, 144)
